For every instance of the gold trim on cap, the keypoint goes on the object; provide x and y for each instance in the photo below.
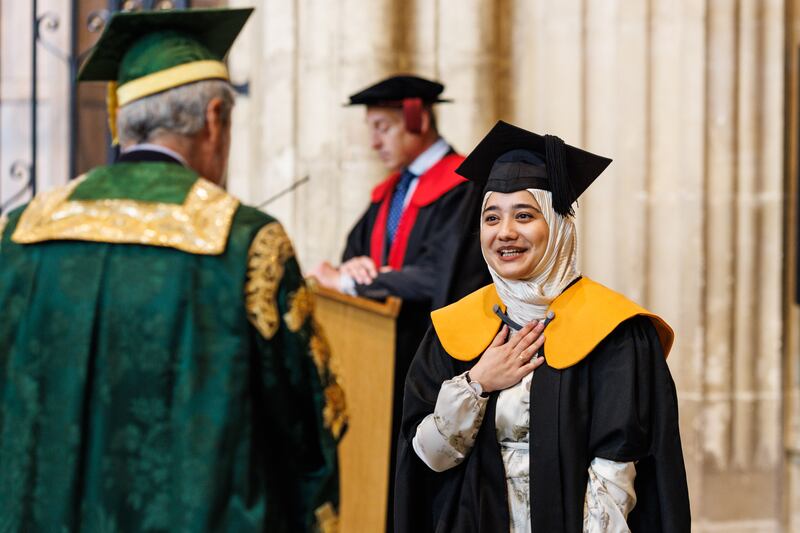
(162, 80)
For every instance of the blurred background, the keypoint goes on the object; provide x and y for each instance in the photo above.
(695, 100)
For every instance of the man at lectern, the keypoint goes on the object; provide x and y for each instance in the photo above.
(417, 239)
(160, 369)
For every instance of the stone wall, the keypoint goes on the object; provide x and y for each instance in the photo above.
(695, 100)
(687, 97)
(791, 366)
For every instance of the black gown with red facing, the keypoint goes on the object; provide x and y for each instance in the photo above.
(435, 256)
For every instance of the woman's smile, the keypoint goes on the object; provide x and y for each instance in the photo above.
(511, 253)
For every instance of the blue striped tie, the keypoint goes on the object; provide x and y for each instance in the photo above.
(398, 200)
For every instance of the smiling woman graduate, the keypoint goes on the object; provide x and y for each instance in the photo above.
(494, 438)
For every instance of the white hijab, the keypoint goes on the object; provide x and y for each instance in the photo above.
(528, 299)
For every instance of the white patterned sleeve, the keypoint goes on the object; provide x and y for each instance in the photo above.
(609, 496)
(446, 436)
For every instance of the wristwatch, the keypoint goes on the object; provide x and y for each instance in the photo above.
(475, 386)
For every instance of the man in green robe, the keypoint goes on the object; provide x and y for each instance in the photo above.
(160, 367)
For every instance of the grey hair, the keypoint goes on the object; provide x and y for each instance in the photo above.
(178, 111)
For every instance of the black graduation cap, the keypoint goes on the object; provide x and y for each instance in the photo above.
(404, 91)
(511, 159)
(395, 89)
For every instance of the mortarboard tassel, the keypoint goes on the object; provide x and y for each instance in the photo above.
(560, 184)
(412, 114)
(111, 107)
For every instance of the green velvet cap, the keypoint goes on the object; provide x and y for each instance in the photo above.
(137, 44)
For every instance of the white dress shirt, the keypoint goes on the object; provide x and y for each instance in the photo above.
(156, 148)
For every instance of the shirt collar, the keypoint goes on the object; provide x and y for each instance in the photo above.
(157, 148)
(429, 157)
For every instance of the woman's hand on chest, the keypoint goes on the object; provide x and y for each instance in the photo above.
(506, 362)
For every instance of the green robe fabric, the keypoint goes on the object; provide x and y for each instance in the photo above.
(136, 391)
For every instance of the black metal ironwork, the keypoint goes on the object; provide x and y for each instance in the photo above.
(73, 90)
(20, 171)
(34, 95)
(26, 170)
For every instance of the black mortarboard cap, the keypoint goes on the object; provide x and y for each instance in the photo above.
(410, 93)
(393, 90)
(511, 159)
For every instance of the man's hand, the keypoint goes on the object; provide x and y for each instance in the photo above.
(327, 275)
(360, 268)
(504, 364)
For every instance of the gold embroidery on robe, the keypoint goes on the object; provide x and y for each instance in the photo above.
(334, 413)
(327, 519)
(268, 253)
(320, 350)
(301, 306)
(200, 225)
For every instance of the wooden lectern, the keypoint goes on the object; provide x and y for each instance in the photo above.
(361, 334)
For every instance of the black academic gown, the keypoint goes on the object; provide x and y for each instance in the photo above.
(619, 403)
(442, 263)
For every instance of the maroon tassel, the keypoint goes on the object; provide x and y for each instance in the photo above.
(412, 114)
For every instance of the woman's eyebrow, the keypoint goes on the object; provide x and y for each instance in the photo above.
(527, 206)
(491, 208)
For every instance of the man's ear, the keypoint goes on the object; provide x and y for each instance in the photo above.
(215, 122)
